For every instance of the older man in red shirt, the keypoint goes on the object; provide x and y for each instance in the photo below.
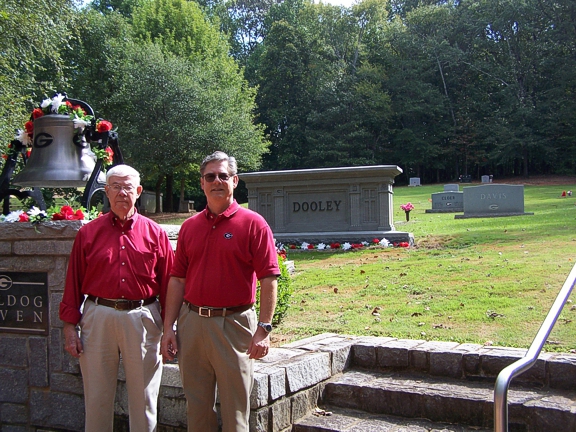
(119, 267)
(222, 252)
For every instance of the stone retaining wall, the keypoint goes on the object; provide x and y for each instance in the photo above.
(41, 385)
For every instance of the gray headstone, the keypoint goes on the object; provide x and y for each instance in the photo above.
(485, 179)
(414, 181)
(452, 187)
(493, 200)
(447, 202)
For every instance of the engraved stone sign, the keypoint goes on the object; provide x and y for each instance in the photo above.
(326, 204)
(24, 302)
(493, 200)
(447, 202)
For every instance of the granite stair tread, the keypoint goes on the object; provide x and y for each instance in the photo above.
(350, 420)
(447, 400)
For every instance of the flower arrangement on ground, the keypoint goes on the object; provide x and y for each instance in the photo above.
(346, 246)
(35, 215)
(408, 207)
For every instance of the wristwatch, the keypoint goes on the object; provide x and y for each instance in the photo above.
(265, 326)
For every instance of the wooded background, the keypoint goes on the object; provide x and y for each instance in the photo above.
(440, 88)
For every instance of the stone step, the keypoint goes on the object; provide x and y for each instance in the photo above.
(450, 400)
(347, 420)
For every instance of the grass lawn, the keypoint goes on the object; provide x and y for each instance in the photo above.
(487, 281)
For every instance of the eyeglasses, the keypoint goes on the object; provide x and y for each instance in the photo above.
(117, 188)
(211, 177)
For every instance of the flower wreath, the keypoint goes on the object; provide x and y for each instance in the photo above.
(384, 243)
(58, 105)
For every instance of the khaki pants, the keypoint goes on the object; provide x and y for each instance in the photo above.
(213, 350)
(106, 334)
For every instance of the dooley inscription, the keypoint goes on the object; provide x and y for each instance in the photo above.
(315, 206)
(24, 302)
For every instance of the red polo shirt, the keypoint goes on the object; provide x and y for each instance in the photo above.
(117, 262)
(222, 256)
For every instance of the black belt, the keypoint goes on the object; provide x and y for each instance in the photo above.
(122, 304)
(208, 312)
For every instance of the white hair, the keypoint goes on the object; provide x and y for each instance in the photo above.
(123, 171)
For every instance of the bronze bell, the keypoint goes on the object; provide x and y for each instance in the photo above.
(57, 159)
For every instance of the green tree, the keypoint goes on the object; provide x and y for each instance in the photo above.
(33, 36)
(194, 90)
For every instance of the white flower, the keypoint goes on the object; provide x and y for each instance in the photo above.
(24, 138)
(57, 102)
(321, 246)
(79, 123)
(13, 216)
(346, 246)
(304, 245)
(384, 242)
(2, 218)
(35, 212)
(365, 243)
(45, 103)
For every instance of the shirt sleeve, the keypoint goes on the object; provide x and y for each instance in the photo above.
(164, 264)
(265, 255)
(73, 297)
(180, 266)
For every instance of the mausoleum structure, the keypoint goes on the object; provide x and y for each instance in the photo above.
(327, 204)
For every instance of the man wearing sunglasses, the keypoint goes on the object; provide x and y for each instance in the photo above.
(119, 266)
(222, 252)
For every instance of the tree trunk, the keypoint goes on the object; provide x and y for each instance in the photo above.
(169, 198)
(182, 205)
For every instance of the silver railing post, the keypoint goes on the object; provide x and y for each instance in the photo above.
(526, 362)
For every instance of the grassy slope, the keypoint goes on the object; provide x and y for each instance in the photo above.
(489, 280)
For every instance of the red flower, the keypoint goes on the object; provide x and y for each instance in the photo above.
(334, 245)
(404, 244)
(292, 246)
(29, 126)
(67, 213)
(357, 245)
(103, 126)
(375, 240)
(5, 156)
(310, 246)
(282, 254)
(28, 152)
(78, 215)
(69, 104)
(110, 158)
(23, 217)
(37, 113)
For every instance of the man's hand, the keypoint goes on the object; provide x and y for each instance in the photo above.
(168, 346)
(259, 345)
(72, 342)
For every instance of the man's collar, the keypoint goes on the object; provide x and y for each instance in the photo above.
(129, 221)
(232, 208)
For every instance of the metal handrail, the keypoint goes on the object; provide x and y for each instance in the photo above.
(525, 363)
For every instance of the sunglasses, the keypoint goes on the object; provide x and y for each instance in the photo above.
(211, 177)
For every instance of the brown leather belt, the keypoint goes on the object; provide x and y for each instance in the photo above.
(122, 304)
(208, 312)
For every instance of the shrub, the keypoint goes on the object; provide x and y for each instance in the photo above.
(285, 291)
